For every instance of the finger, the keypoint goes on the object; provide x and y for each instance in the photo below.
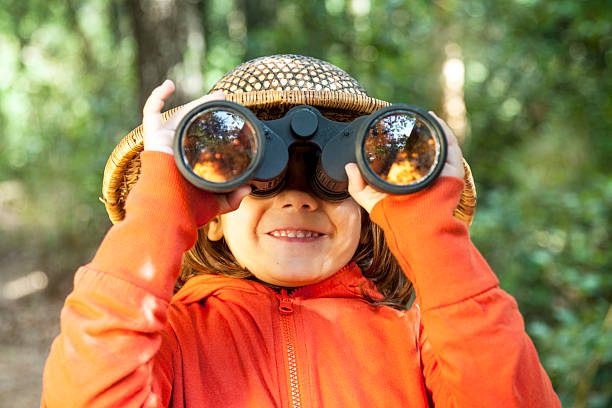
(151, 112)
(175, 119)
(235, 197)
(454, 157)
(355, 179)
(451, 139)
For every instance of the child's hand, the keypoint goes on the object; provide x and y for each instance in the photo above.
(159, 136)
(367, 196)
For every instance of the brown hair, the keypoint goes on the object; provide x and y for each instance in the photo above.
(372, 256)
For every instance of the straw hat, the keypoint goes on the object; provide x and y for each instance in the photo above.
(268, 86)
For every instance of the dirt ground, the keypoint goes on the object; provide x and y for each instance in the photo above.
(27, 328)
(29, 324)
(32, 244)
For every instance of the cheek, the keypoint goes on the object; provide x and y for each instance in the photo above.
(347, 219)
(347, 213)
(239, 228)
(243, 218)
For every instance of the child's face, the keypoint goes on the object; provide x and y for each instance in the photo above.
(293, 238)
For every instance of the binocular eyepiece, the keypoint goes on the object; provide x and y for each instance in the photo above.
(220, 145)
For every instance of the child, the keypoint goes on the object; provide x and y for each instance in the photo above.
(275, 310)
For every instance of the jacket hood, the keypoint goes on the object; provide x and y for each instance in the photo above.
(346, 283)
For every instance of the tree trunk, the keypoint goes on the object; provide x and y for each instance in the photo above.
(161, 31)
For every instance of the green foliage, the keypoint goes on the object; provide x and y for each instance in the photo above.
(537, 91)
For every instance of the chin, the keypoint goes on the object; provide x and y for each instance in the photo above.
(293, 280)
(294, 275)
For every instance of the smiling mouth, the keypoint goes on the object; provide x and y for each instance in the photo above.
(295, 234)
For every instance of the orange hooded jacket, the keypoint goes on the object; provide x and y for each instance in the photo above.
(125, 341)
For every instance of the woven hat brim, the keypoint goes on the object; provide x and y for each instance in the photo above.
(123, 166)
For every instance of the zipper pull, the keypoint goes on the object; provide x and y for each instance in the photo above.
(286, 303)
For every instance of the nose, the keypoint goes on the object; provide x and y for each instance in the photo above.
(294, 199)
(296, 193)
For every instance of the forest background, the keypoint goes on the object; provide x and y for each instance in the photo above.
(526, 84)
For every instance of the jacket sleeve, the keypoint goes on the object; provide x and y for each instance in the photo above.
(474, 348)
(108, 350)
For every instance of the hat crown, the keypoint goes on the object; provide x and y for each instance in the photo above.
(288, 72)
(269, 87)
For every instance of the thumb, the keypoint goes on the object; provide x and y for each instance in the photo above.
(364, 194)
(355, 180)
(231, 201)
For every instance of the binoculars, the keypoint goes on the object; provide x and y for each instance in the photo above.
(220, 145)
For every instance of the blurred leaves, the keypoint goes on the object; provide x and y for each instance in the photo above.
(539, 107)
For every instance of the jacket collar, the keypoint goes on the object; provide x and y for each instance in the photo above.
(346, 283)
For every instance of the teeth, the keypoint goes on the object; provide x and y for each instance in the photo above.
(294, 234)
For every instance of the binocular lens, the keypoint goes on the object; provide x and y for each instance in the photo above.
(219, 145)
(400, 148)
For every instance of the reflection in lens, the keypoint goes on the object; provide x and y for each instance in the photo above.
(219, 145)
(401, 149)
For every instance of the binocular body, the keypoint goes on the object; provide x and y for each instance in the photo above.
(220, 145)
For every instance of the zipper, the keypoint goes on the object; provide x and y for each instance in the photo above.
(285, 308)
